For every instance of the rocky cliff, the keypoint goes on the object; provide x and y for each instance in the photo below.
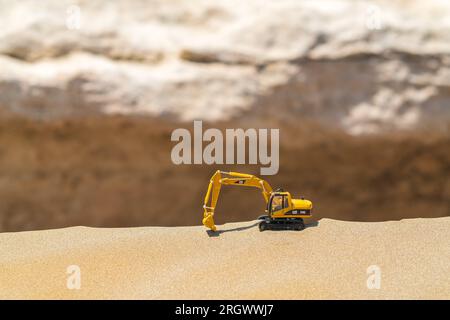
(365, 66)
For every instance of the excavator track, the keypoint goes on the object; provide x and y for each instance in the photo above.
(296, 224)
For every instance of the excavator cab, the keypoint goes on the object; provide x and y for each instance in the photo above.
(279, 203)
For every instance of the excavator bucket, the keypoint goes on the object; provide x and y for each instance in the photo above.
(208, 222)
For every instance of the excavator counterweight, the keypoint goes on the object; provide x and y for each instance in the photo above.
(283, 212)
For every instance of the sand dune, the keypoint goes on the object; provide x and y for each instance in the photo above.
(327, 260)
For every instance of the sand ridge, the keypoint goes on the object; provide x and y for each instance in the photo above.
(327, 260)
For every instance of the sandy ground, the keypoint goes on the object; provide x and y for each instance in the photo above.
(327, 260)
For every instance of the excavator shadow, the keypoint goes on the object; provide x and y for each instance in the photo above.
(219, 232)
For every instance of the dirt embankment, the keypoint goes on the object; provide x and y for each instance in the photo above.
(116, 171)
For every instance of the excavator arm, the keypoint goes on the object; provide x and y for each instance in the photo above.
(229, 178)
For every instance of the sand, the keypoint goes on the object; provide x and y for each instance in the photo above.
(327, 260)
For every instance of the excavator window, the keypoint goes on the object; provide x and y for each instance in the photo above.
(286, 202)
(278, 202)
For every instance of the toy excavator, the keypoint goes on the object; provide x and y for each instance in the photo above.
(282, 211)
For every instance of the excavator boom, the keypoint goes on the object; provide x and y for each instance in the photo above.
(229, 178)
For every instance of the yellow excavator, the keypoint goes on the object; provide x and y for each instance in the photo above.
(282, 211)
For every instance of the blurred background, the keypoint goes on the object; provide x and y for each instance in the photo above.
(90, 92)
